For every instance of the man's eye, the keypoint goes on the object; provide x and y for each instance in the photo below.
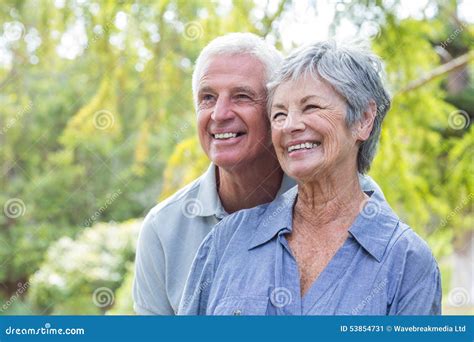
(242, 97)
(207, 97)
(206, 101)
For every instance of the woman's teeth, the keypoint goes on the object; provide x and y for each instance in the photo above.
(307, 146)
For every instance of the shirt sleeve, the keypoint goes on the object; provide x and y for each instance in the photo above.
(149, 286)
(419, 292)
(198, 285)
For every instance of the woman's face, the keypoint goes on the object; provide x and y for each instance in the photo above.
(309, 131)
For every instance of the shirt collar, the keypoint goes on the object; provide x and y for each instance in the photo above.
(208, 197)
(277, 216)
(372, 228)
(286, 184)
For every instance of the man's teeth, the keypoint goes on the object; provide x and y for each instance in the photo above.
(225, 135)
(307, 145)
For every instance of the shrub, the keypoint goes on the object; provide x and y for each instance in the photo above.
(80, 276)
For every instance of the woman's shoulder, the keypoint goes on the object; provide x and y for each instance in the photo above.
(410, 247)
(402, 242)
(240, 223)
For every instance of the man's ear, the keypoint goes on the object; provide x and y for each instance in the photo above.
(364, 126)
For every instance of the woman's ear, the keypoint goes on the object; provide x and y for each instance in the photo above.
(364, 126)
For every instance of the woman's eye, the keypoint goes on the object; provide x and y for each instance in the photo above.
(278, 116)
(310, 107)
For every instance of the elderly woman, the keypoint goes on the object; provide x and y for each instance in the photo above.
(324, 247)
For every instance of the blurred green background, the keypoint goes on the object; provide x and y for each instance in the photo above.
(97, 125)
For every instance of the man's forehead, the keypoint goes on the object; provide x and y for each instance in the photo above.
(238, 64)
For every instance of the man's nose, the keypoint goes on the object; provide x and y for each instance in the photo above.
(222, 110)
(294, 122)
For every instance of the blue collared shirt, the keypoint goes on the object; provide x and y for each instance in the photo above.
(245, 267)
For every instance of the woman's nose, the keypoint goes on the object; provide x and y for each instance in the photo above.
(294, 122)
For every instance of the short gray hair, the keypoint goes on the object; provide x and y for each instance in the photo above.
(238, 43)
(354, 72)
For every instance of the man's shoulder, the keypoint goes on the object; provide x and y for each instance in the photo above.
(172, 208)
(177, 199)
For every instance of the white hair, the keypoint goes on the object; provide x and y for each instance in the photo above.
(238, 44)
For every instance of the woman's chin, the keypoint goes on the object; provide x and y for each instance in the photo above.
(303, 173)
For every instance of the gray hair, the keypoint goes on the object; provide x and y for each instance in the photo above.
(238, 44)
(354, 72)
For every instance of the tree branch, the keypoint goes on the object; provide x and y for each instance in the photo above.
(439, 71)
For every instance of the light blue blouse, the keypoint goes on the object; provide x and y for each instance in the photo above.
(245, 267)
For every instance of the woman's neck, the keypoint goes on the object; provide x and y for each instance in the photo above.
(330, 200)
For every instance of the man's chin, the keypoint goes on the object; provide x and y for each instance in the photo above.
(229, 162)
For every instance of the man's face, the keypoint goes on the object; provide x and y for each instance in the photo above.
(232, 124)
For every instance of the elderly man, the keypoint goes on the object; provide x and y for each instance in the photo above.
(229, 88)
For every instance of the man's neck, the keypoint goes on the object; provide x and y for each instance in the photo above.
(247, 186)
